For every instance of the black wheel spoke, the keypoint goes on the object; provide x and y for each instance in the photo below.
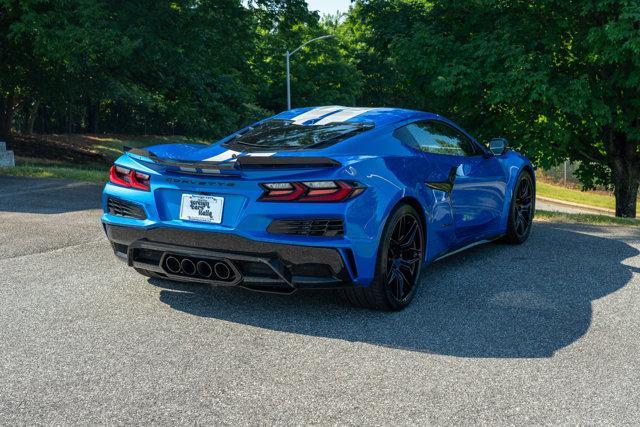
(400, 280)
(404, 256)
(409, 262)
(408, 239)
(400, 229)
(406, 281)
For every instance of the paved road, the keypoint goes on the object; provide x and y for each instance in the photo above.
(546, 332)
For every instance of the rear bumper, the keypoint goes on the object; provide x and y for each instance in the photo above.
(263, 266)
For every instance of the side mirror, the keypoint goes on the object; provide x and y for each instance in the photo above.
(498, 146)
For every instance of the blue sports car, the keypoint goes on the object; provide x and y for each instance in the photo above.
(354, 199)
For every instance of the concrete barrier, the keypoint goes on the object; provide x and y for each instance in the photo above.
(7, 159)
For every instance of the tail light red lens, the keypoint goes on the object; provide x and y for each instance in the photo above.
(311, 191)
(129, 178)
(140, 181)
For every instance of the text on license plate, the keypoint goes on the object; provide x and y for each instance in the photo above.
(201, 208)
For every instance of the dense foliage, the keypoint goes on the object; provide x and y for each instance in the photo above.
(559, 79)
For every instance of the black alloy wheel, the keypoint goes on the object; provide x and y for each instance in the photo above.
(399, 261)
(522, 210)
(404, 256)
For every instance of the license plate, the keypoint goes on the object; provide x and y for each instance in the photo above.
(201, 208)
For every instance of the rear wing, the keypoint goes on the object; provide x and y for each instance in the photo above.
(241, 163)
(249, 162)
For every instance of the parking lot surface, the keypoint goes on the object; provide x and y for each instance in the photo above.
(545, 332)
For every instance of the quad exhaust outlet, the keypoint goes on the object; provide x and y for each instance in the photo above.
(199, 268)
(204, 269)
(172, 264)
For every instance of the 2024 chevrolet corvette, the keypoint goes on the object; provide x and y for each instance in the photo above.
(356, 199)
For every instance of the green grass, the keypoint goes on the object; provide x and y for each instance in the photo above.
(589, 198)
(585, 218)
(36, 168)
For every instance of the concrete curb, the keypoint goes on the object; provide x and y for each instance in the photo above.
(577, 205)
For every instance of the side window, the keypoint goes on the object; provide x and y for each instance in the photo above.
(436, 137)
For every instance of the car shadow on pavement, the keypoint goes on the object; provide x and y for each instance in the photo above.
(492, 301)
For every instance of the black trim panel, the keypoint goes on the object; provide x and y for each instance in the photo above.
(320, 227)
(288, 261)
(125, 209)
(246, 162)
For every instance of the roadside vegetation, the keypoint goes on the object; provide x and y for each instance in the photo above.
(79, 157)
(38, 168)
(598, 199)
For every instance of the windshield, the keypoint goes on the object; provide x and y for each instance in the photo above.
(284, 134)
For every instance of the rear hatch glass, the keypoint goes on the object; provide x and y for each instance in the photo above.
(283, 135)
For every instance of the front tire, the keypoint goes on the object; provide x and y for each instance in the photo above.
(521, 211)
(399, 261)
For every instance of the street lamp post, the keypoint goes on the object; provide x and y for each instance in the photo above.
(288, 56)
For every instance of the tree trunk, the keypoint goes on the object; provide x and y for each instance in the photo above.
(2, 110)
(7, 112)
(625, 168)
(33, 115)
(93, 114)
(626, 180)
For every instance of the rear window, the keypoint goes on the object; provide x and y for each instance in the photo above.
(285, 135)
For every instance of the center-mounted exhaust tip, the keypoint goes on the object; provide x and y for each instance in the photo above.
(188, 267)
(173, 264)
(222, 270)
(204, 269)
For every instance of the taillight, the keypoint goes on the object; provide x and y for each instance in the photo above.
(140, 181)
(310, 191)
(129, 178)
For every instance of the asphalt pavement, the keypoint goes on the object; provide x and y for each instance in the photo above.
(546, 332)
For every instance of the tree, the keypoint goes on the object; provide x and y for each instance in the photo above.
(182, 62)
(369, 31)
(17, 63)
(320, 73)
(561, 79)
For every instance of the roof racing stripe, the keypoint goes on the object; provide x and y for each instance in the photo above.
(343, 116)
(315, 113)
(259, 154)
(222, 157)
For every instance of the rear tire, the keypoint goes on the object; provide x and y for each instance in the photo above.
(521, 210)
(398, 265)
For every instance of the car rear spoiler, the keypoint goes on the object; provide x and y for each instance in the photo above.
(241, 163)
(250, 162)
